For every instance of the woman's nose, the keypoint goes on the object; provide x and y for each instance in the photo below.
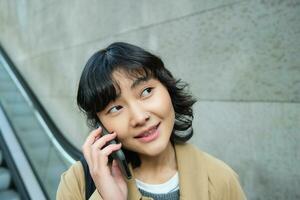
(139, 116)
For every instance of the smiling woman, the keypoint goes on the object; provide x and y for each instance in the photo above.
(130, 93)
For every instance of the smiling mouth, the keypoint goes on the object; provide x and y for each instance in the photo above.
(149, 132)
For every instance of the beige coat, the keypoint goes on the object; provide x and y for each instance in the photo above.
(201, 177)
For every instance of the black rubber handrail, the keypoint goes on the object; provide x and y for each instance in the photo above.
(68, 146)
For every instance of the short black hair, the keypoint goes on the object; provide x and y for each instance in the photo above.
(97, 87)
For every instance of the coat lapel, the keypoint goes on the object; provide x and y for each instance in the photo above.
(133, 192)
(193, 178)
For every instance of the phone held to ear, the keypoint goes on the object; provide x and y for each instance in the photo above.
(118, 155)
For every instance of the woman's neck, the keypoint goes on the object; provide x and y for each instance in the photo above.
(157, 169)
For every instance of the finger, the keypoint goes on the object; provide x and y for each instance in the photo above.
(100, 156)
(104, 140)
(93, 136)
(86, 147)
(100, 159)
(110, 148)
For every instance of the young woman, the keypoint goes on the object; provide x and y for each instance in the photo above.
(129, 91)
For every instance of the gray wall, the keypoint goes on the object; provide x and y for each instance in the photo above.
(241, 59)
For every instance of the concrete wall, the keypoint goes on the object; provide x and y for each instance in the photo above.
(241, 58)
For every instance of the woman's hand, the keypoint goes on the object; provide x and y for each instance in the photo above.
(108, 180)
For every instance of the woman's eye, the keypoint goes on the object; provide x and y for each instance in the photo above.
(114, 109)
(146, 92)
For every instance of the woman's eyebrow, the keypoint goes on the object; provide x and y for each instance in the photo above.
(139, 80)
(134, 84)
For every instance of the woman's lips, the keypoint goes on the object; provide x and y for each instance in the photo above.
(150, 135)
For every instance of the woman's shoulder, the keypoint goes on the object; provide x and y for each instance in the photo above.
(72, 182)
(222, 179)
(74, 173)
(212, 164)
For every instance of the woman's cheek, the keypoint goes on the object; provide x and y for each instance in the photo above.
(163, 103)
(120, 126)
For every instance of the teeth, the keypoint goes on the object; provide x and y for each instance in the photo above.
(148, 133)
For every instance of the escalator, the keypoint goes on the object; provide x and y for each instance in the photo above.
(35, 152)
(7, 186)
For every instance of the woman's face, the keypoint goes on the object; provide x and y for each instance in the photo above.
(142, 115)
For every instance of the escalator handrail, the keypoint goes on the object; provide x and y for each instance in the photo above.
(55, 135)
(20, 162)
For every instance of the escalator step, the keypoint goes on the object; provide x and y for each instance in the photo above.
(5, 178)
(27, 122)
(4, 76)
(19, 109)
(9, 195)
(7, 86)
(12, 97)
(1, 157)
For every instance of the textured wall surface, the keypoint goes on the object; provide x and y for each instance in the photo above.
(241, 58)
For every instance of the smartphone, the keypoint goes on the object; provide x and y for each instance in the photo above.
(118, 155)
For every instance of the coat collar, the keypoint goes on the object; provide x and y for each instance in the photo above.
(193, 178)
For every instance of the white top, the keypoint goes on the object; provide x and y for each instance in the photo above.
(170, 186)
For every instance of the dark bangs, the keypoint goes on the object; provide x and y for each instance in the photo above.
(97, 87)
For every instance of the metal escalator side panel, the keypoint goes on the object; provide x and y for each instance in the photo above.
(23, 166)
